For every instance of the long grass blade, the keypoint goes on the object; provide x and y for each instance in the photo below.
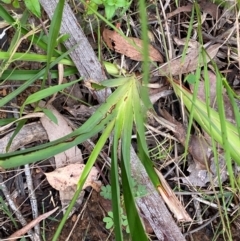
(201, 116)
(23, 75)
(33, 58)
(139, 114)
(94, 124)
(97, 149)
(37, 96)
(53, 34)
(116, 205)
(135, 225)
(137, 231)
(16, 92)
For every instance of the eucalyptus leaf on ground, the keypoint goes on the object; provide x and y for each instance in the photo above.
(67, 177)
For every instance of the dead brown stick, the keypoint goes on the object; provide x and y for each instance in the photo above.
(29, 226)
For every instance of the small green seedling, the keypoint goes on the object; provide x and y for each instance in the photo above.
(32, 5)
(125, 222)
(138, 189)
(109, 221)
(4, 209)
(191, 78)
(106, 192)
(110, 6)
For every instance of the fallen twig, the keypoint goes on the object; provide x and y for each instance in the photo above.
(29, 226)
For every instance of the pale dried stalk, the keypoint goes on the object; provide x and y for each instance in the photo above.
(14, 208)
(33, 200)
(31, 191)
(171, 200)
(28, 116)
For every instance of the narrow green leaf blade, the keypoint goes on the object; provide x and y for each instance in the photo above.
(45, 93)
(93, 157)
(50, 115)
(116, 205)
(201, 116)
(23, 75)
(135, 225)
(54, 30)
(127, 129)
(103, 114)
(16, 92)
(116, 192)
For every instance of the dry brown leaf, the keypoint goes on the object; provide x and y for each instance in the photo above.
(210, 8)
(56, 131)
(67, 177)
(206, 6)
(187, 8)
(127, 46)
(197, 145)
(201, 178)
(192, 61)
(191, 43)
(72, 155)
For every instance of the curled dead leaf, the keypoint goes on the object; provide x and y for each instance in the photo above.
(210, 8)
(206, 6)
(129, 46)
(67, 177)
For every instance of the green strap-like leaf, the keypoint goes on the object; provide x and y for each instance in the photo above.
(105, 113)
(116, 205)
(33, 58)
(201, 116)
(54, 30)
(16, 92)
(137, 231)
(139, 115)
(114, 171)
(40, 95)
(135, 225)
(127, 130)
(97, 149)
(23, 75)
(17, 159)
(9, 19)
(94, 154)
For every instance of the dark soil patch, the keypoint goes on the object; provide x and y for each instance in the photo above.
(89, 227)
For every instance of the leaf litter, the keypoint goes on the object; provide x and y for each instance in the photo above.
(198, 148)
